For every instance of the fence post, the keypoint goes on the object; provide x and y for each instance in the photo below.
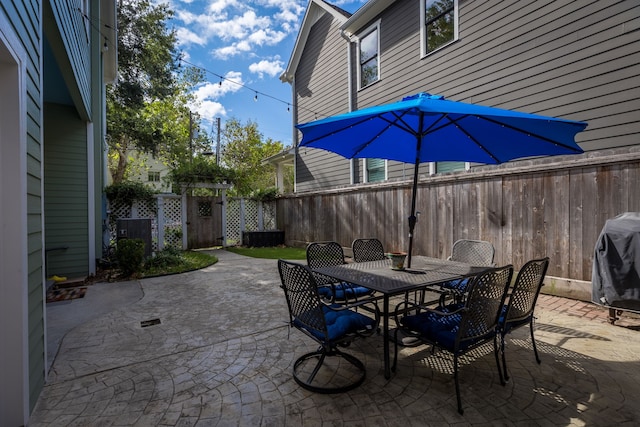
(161, 222)
(183, 215)
(224, 218)
(242, 223)
(260, 216)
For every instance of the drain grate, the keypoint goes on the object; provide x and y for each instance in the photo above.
(151, 322)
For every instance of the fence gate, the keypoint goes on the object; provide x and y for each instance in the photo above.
(204, 221)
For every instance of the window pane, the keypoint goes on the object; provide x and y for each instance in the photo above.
(440, 23)
(375, 170)
(368, 46)
(369, 72)
(369, 58)
(449, 167)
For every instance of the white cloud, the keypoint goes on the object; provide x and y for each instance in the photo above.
(271, 68)
(233, 27)
(210, 109)
(187, 37)
(207, 95)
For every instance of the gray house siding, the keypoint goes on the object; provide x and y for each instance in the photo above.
(25, 21)
(318, 96)
(576, 60)
(66, 190)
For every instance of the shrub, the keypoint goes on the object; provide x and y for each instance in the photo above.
(130, 254)
(169, 257)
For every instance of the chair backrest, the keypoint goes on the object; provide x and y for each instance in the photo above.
(367, 250)
(303, 300)
(486, 296)
(324, 254)
(526, 289)
(474, 252)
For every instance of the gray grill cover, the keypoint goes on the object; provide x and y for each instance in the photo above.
(616, 263)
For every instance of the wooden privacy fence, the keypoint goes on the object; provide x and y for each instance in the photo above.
(552, 207)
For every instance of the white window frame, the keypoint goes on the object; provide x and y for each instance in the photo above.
(423, 28)
(432, 167)
(373, 27)
(365, 171)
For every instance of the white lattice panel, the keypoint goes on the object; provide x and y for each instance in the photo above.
(172, 212)
(233, 222)
(250, 215)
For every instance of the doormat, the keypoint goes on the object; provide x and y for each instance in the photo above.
(62, 294)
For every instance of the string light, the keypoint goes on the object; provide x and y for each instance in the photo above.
(256, 92)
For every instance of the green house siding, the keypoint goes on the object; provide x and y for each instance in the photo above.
(66, 192)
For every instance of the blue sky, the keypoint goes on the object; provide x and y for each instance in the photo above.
(248, 42)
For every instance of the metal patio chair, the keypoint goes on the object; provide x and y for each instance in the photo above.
(474, 252)
(367, 250)
(326, 370)
(519, 309)
(328, 254)
(460, 327)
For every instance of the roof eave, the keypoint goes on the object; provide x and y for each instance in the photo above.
(315, 9)
(371, 10)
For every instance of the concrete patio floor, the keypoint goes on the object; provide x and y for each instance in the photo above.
(222, 355)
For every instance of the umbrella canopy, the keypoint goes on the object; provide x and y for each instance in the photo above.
(428, 128)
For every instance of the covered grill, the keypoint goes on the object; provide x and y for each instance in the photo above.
(616, 265)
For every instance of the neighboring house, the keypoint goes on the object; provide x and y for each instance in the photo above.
(150, 171)
(283, 162)
(55, 59)
(575, 60)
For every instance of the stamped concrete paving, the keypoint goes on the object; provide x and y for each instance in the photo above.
(222, 356)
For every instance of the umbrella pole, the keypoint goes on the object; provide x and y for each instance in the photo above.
(412, 217)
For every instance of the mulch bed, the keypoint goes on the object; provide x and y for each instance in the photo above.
(56, 294)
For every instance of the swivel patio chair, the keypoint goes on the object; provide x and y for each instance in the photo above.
(460, 327)
(367, 250)
(475, 252)
(326, 370)
(522, 301)
(327, 254)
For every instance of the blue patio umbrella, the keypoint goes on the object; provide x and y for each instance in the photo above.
(428, 128)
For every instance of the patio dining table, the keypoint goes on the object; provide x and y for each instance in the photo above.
(425, 272)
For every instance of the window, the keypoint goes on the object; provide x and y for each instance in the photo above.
(442, 167)
(440, 24)
(376, 170)
(154, 176)
(369, 56)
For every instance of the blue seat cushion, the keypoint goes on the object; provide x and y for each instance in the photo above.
(344, 291)
(512, 324)
(437, 328)
(340, 323)
(459, 285)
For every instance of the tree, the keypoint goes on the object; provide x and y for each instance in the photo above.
(243, 152)
(147, 109)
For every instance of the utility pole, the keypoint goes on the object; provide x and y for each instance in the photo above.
(218, 142)
(190, 137)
